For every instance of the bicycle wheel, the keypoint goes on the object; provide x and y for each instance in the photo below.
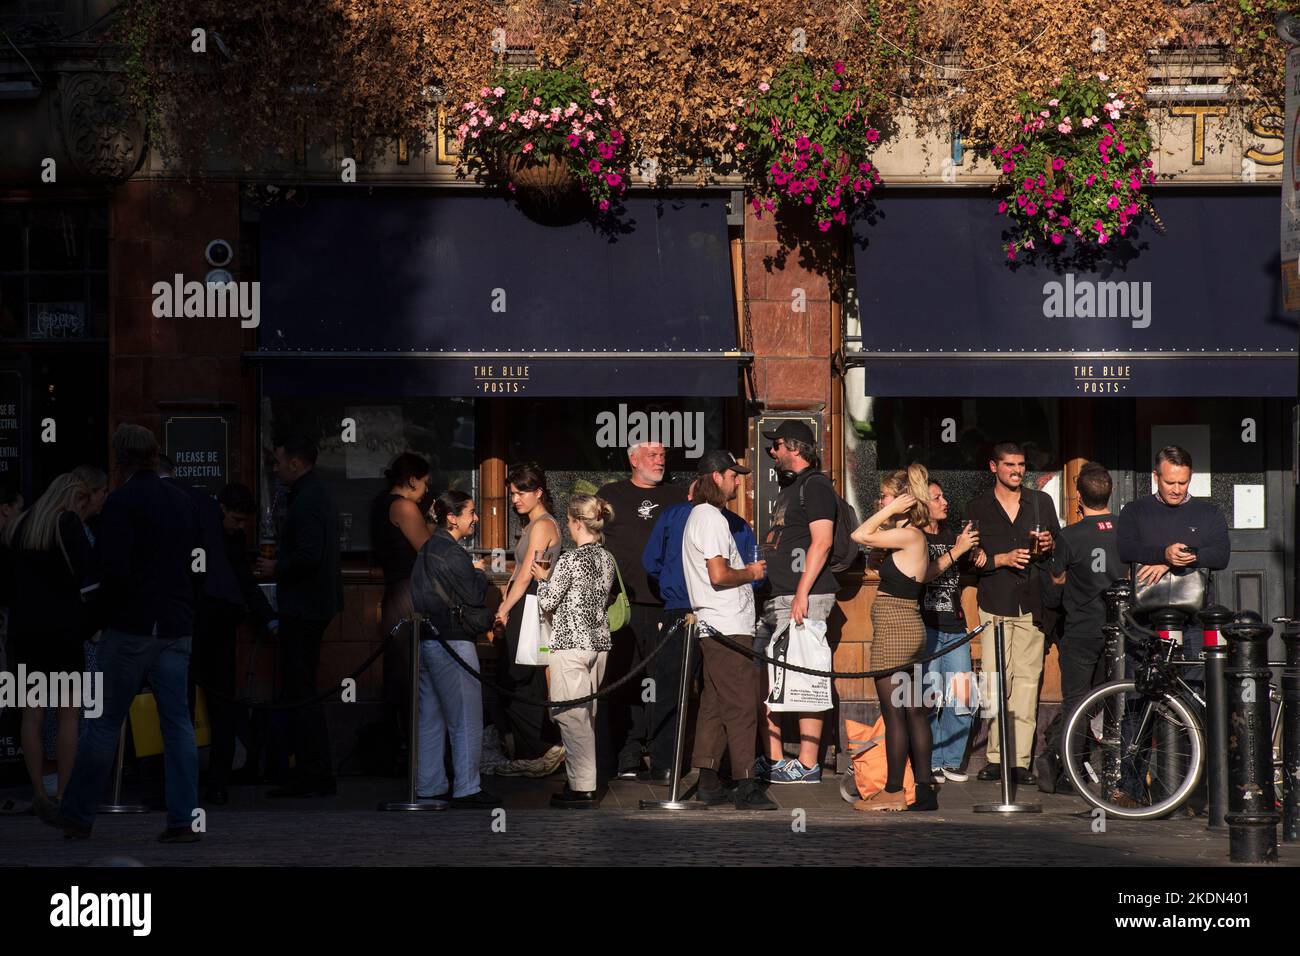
(1121, 747)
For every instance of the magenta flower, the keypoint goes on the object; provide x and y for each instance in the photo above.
(1057, 238)
(1058, 163)
(1008, 167)
(873, 135)
(1002, 207)
(838, 68)
(614, 179)
(1113, 202)
(1031, 209)
(604, 205)
(593, 165)
(1058, 196)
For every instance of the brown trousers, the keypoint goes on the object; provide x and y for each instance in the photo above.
(728, 720)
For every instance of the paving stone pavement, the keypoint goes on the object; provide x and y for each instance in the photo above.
(348, 831)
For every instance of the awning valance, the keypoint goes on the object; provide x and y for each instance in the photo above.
(462, 294)
(1193, 311)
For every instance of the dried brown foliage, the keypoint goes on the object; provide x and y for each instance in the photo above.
(361, 68)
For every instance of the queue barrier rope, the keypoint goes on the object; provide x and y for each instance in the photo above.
(496, 687)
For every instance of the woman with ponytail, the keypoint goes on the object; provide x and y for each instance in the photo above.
(899, 631)
(575, 593)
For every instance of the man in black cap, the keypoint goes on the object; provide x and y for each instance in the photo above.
(719, 581)
(797, 551)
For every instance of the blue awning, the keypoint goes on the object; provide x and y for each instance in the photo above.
(463, 295)
(1194, 311)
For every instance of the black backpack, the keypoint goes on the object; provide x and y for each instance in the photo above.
(845, 552)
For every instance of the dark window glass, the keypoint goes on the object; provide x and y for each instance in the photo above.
(56, 238)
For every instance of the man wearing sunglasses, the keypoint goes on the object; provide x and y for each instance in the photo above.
(797, 551)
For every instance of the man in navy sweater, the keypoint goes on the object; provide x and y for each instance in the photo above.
(662, 560)
(1171, 529)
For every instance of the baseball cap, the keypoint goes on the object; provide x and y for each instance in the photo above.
(793, 430)
(720, 461)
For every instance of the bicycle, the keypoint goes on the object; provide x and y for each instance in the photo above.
(1136, 748)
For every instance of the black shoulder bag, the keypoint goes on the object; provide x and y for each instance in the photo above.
(470, 619)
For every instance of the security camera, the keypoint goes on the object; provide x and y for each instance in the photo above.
(219, 253)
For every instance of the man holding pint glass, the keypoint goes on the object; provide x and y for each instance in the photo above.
(1018, 528)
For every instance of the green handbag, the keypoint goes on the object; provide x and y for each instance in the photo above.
(620, 612)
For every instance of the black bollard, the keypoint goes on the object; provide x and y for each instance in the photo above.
(1252, 812)
(1213, 619)
(1170, 764)
(1119, 596)
(1291, 734)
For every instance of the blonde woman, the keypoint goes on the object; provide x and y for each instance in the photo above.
(899, 631)
(575, 593)
(49, 563)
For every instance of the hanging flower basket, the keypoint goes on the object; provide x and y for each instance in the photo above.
(549, 181)
(804, 140)
(545, 135)
(1073, 176)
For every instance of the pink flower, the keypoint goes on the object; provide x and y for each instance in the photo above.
(1002, 207)
(763, 87)
(1057, 238)
(537, 101)
(1092, 178)
(593, 165)
(1101, 239)
(1113, 202)
(1063, 127)
(801, 143)
(838, 68)
(1098, 226)
(1008, 167)
(499, 92)
(1086, 122)
(1131, 209)
(1058, 196)
(528, 147)
(1064, 222)
(824, 225)
(872, 135)
(1058, 164)
(604, 205)
(614, 179)
(1053, 102)
(1031, 209)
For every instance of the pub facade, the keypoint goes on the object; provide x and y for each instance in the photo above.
(414, 311)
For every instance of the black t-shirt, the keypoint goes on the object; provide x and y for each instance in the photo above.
(789, 533)
(635, 512)
(941, 602)
(1088, 552)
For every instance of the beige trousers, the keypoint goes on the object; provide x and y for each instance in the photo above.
(1023, 647)
(577, 674)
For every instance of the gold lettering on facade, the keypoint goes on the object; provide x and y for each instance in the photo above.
(1198, 115)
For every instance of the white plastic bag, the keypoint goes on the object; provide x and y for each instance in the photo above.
(803, 645)
(534, 635)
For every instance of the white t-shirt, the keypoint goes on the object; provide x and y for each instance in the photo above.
(707, 535)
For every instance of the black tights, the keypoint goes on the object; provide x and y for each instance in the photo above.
(907, 730)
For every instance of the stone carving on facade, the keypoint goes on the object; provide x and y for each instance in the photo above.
(103, 135)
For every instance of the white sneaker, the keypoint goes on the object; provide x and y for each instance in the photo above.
(548, 762)
(956, 776)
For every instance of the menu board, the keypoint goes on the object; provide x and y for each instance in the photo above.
(11, 434)
(200, 446)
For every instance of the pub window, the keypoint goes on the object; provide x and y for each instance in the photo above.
(564, 437)
(906, 430)
(439, 429)
(53, 272)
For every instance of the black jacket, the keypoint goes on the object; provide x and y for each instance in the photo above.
(217, 583)
(308, 574)
(147, 535)
(225, 615)
(445, 561)
(44, 589)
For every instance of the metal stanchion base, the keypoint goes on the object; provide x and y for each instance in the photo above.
(425, 805)
(1007, 808)
(122, 808)
(673, 805)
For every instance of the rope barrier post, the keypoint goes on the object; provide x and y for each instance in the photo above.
(1253, 816)
(412, 802)
(674, 801)
(1004, 738)
(117, 806)
(1215, 652)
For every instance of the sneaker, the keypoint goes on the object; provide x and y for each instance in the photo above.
(953, 774)
(792, 771)
(764, 766)
(550, 761)
(750, 796)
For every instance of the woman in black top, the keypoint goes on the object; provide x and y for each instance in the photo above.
(898, 632)
(397, 532)
(48, 563)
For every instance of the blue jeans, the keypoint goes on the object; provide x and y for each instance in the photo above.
(949, 725)
(451, 704)
(127, 660)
